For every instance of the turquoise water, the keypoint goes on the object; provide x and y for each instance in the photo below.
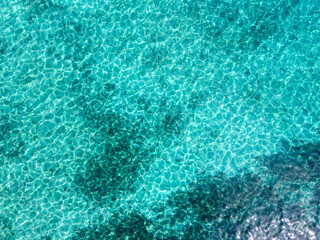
(167, 119)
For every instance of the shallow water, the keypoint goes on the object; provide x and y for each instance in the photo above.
(159, 119)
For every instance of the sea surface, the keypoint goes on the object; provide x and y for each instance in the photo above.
(159, 119)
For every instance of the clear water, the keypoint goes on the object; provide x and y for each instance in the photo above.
(163, 119)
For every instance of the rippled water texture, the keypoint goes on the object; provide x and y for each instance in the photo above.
(159, 119)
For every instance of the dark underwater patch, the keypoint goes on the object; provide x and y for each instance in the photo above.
(173, 121)
(124, 156)
(11, 144)
(224, 202)
(213, 197)
(239, 207)
(299, 163)
(6, 226)
(198, 98)
(46, 238)
(220, 207)
(36, 8)
(4, 46)
(121, 226)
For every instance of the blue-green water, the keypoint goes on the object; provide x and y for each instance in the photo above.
(169, 119)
